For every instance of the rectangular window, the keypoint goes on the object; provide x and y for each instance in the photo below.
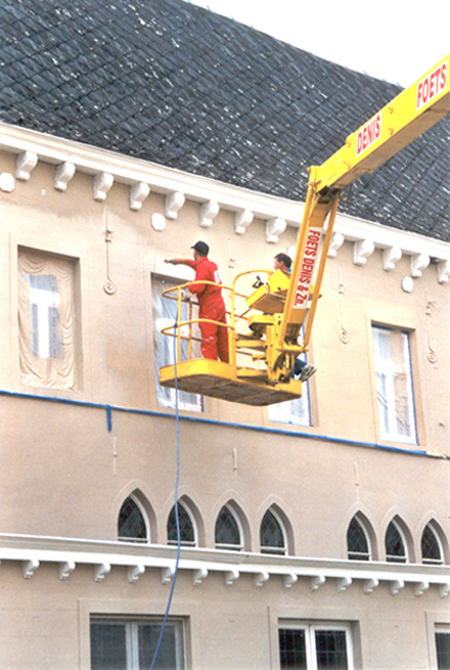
(47, 320)
(164, 315)
(315, 647)
(296, 412)
(394, 384)
(442, 637)
(130, 644)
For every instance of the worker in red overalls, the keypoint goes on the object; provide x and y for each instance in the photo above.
(214, 343)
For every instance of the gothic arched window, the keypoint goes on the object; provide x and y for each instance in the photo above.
(358, 547)
(187, 530)
(131, 524)
(272, 535)
(431, 548)
(395, 544)
(227, 533)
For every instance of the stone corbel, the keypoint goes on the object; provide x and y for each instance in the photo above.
(261, 578)
(65, 569)
(337, 240)
(29, 568)
(138, 193)
(63, 175)
(418, 264)
(396, 586)
(343, 583)
(391, 256)
(274, 228)
(443, 271)
(420, 588)
(134, 572)
(173, 203)
(25, 164)
(199, 576)
(231, 576)
(102, 184)
(370, 585)
(208, 212)
(362, 250)
(167, 575)
(242, 220)
(289, 580)
(317, 582)
(444, 590)
(100, 571)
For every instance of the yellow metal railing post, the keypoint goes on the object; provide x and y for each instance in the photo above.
(178, 333)
(232, 330)
(190, 332)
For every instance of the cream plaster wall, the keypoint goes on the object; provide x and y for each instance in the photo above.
(65, 474)
(226, 627)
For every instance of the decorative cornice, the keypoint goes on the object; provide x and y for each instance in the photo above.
(138, 193)
(25, 164)
(63, 174)
(174, 202)
(107, 167)
(67, 553)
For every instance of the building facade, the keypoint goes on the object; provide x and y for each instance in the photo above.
(314, 534)
(311, 534)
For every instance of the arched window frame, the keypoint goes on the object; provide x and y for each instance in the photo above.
(184, 543)
(432, 561)
(227, 546)
(393, 558)
(142, 512)
(268, 549)
(354, 555)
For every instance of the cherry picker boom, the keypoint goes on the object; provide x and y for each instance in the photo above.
(278, 311)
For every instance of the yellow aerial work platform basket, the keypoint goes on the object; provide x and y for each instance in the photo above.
(285, 305)
(245, 378)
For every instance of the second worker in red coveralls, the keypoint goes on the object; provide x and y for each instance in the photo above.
(214, 343)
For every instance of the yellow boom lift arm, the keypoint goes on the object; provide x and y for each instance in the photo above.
(285, 306)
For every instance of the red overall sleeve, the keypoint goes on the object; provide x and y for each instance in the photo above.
(202, 271)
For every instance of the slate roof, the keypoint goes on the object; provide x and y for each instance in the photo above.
(172, 83)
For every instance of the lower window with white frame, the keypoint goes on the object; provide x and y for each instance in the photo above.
(129, 644)
(442, 638)
(315, 646)
(296, 412)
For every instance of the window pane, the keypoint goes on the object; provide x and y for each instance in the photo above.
(358, 548)
(331, 650)
(108, 646)
(394, 384)
(47, 320)
(293, 411)
(395, 547)
(271, 535)
(227, 530)
(431, 550)
(131, 522)
(443, 650)
(187, 535)
(169, 652)
(292, 649)
(164, 315)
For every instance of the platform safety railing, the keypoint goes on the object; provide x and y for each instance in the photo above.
(182, 329)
